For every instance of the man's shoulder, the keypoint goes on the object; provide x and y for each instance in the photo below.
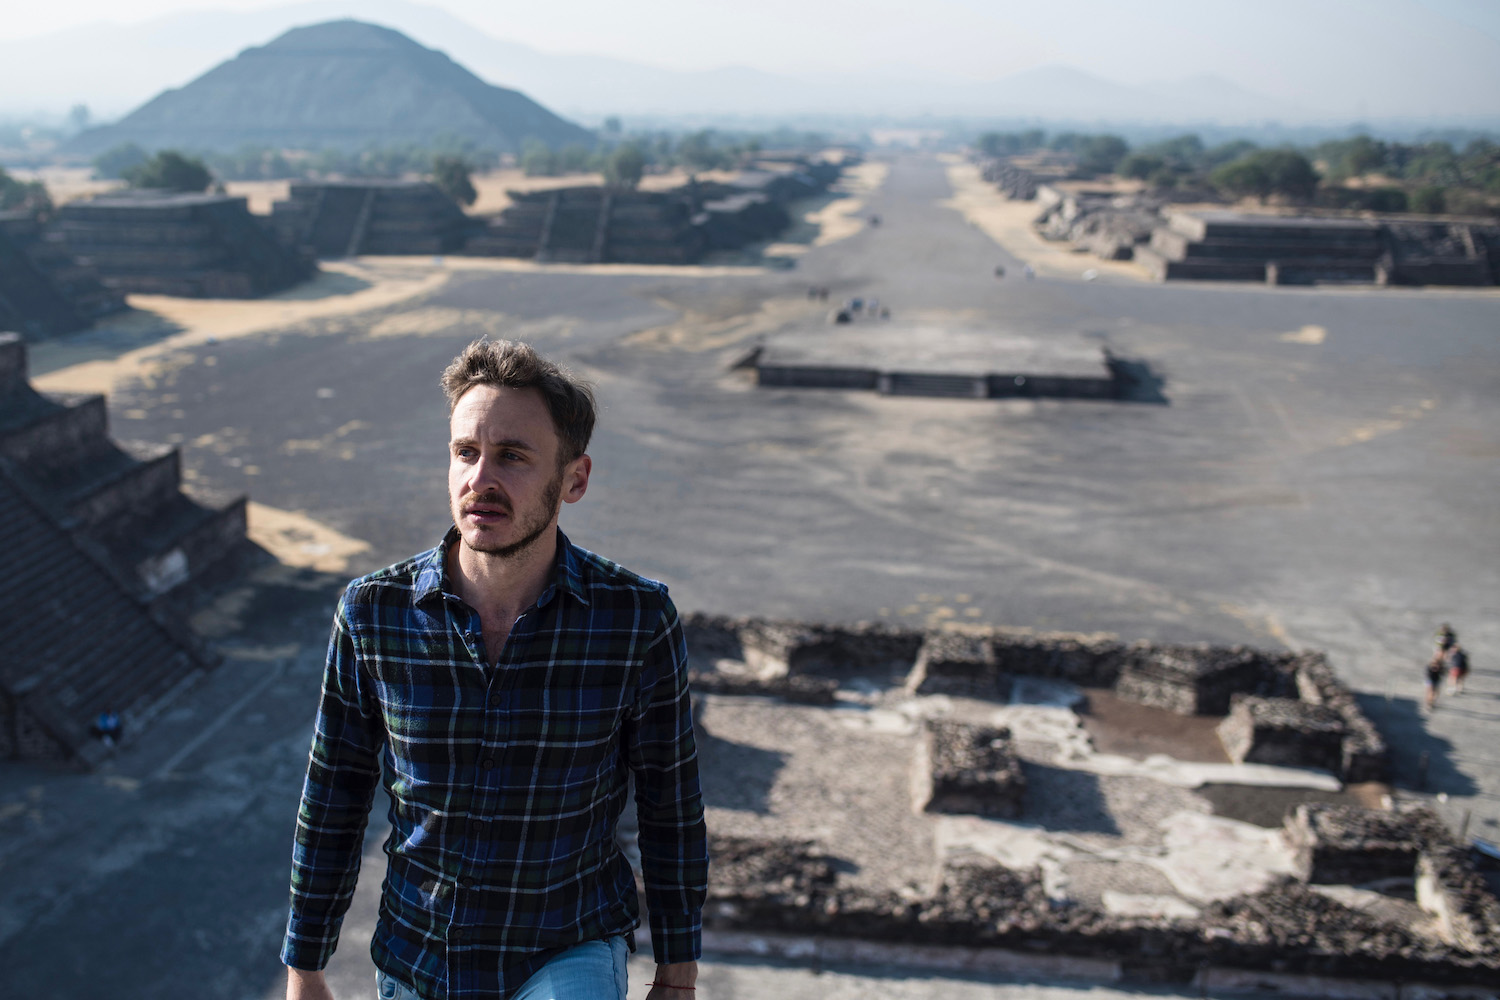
(385, 584)
(599, 574)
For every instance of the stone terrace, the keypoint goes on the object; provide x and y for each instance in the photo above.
(860, 791)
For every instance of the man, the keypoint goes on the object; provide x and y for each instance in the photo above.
(508, 681)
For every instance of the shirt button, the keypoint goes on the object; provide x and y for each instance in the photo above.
(487, 763)
(475, 826)
(494, 701)
(457, 934)
(467, 882)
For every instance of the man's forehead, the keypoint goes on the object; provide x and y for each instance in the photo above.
(501, 411)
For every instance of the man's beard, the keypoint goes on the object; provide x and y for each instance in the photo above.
(532, 528)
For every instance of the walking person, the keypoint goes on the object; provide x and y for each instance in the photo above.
(504, 685)
(1457, 659)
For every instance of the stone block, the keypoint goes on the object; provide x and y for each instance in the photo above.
(961, 665)
(1284, 732)
(962, 768)
(1350, 845)
(1190, 680)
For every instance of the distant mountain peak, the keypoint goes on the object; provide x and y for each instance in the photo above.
(344, 83)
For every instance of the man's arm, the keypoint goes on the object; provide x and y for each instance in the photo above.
(674, 982)
(342, 771)
(304, 985)
(669, 803)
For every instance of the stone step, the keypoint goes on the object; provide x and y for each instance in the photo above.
(1162, 269)
(1174, 245)
(109, 498)
(180, 541)
(1228, 225)
(44, 434)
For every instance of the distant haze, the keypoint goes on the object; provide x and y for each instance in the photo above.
(1090, 61)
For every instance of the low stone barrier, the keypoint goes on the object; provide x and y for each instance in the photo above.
(963, 768)
(982, 663)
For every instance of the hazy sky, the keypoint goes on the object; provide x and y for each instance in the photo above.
(1296, 50)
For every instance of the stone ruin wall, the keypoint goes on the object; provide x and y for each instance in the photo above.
(791, 887)
(805, 662)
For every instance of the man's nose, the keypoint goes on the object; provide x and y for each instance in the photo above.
(484, 476)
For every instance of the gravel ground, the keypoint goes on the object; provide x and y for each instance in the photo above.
(791, 771)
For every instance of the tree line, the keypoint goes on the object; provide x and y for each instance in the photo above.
(1359, 172)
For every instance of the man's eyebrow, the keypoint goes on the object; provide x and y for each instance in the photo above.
(516, 444)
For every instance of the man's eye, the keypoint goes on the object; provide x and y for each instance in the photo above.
(511, 456)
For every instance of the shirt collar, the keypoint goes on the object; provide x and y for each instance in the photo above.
(432, 576)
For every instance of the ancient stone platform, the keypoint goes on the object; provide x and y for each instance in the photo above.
(961, 802)
(900, 359)
(164, 243)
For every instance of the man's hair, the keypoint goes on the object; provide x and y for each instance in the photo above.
(515, 365)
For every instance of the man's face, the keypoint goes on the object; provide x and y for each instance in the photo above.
(504, 483)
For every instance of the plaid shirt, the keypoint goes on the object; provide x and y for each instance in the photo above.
(505, 785)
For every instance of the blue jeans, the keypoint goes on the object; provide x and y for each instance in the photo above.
(594, 970)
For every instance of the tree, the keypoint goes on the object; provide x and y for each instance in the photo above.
(624, 167)
(23, 196)
(1242, 178)
(451, 175)
(170, 171)
(697, 151)
(1227, 153)
(1429, 200)
(537, 159)
(612, 125)
(78, 117)
(1140, 166)
(1266, 172)
(1100, 154)
(114, 162)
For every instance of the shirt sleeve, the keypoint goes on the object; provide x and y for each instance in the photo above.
(669, 801)
(342, 772)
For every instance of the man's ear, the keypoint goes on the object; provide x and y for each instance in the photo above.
(576, 478)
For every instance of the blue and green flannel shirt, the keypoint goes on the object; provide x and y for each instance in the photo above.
(506, 784)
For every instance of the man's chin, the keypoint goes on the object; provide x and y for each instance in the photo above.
(494, 543)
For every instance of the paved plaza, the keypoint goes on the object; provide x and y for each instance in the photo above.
(1300, 468)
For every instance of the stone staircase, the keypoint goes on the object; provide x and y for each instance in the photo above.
(126, 501)
(344, 218)
(588, 225)
(1223, 246)
(195, 245)
(94, 540)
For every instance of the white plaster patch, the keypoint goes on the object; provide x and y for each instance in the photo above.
(1210, 857)
(1137, 904)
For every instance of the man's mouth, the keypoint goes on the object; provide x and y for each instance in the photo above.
(486, 510)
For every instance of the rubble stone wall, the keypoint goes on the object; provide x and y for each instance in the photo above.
(1284, 732)
(961, 768)
(1189, 679)
(793, 887)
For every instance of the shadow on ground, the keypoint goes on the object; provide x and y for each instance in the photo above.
(735, 775)
(1421, 761)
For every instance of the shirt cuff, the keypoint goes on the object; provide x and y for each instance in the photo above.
(308, 946)
(677, 937)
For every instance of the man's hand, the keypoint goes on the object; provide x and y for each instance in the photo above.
(676, 974)
(304, 985)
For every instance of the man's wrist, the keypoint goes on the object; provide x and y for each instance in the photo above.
(681, 975)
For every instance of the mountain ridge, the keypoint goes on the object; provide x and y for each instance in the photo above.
(341, 84)
(135, 62)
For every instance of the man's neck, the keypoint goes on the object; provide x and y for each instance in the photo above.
(493, 584)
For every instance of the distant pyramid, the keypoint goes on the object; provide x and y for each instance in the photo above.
(343, 84)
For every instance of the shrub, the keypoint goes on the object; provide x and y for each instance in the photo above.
(451, 175)
(171, 171)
